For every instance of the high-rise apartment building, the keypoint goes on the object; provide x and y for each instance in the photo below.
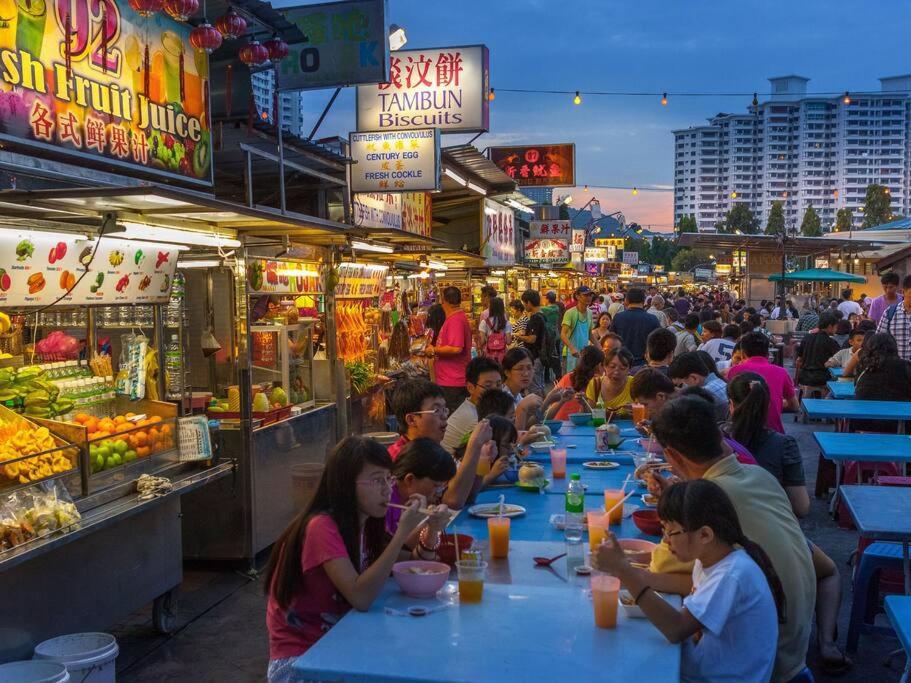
(798, 149)
(539, 195)
(264, 97)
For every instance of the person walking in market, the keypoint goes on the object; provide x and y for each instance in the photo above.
(575, 332)
(534, 338)
(553, 312)
(452, 351)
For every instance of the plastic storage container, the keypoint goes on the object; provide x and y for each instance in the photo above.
(88, 657)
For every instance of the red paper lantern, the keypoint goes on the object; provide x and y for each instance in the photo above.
(253, 54)
(181, 10)
(231, 25)
(146, 8)
(205, 37)
(278, 48)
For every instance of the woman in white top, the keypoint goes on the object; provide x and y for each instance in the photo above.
(729, 623)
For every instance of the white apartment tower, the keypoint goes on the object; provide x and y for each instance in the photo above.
(264, 97)
(800, 150)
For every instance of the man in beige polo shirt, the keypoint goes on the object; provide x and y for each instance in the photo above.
(686, 428)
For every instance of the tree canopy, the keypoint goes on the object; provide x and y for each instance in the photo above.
(877, 206)
(844, 220)
(811, 227)
(739, 218)
(775, 224)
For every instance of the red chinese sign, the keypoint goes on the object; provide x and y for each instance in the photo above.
(547, 252)
(548, 229)
(538, 166)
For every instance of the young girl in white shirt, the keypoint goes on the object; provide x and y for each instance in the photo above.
(729, 623)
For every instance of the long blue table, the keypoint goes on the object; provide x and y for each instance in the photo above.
(854, 409)
(841, 390)
(881, 512)
(837, 372)
(840, 447)
(898, 608)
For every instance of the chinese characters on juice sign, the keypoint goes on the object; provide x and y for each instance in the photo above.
(115, 87)
(443, 88)
(395, 161)
(547, 229)
(498, 237)
(541, 165)
(346, 44)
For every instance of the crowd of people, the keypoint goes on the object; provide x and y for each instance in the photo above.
(700, 364)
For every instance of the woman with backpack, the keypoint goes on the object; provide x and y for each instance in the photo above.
(495, 331)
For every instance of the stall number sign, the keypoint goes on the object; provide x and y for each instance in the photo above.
(498, 236)
(445, 88)
(36, 269)
(547, 252)
(548, 229)
(577, 246)
(92, 79)
(395, 161)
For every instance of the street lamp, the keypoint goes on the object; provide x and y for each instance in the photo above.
(397, 37)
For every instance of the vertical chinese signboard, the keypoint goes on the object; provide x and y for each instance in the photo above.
(92, 79)
(498, 236)
(445, 88)
(417, 211)
(538, 166)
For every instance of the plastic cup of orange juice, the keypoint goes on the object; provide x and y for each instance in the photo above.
(611, 498)
(558, 462)
(639, 413)
(483, 467)
(498, 531)
(471, 580)
(597, 528)
(605, 595)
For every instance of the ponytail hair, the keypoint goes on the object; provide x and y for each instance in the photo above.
(750, 395)
(697, 503)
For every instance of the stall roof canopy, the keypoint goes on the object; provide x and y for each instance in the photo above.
(471, 160)
(795, 246)
(83, 210)
(818, 275)
(900, 224)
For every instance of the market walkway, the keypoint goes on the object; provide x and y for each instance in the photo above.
(222, 635)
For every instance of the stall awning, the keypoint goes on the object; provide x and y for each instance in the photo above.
(818, 275)
(84, 210)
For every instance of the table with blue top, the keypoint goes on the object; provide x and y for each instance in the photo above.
(898, 608)
(837, 372)
(854, 409)
(841, 390)
(881, 512)
(840, 447)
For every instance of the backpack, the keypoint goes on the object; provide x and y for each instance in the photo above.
(890, 314)
(495, 347)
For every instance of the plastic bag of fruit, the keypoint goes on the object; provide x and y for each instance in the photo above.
(48, 508)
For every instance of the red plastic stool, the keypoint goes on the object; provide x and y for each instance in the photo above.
(890, 480)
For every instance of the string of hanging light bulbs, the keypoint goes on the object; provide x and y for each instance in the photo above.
(846, 97)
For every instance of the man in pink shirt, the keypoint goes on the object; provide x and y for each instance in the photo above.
(890, 296)
(452, 350)
(755, 349)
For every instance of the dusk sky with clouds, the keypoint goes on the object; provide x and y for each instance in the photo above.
(651, 46)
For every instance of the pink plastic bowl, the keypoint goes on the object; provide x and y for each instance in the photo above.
(420, 585)
(637, 550)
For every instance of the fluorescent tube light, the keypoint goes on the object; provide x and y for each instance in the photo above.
(154, 233)
(455, 176)
(477, 188)
(370, 246)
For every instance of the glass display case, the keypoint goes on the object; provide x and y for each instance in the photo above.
(282, 359)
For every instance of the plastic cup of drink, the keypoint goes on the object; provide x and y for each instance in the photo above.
(611, 498)
(597, 528)
(471, 580)
(483, 467)
(605, 595)
(599, 416)
(639, 413)
(558, 462)
(498, 534)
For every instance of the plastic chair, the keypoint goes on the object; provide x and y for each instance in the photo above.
(889, 480)
(865, 604)
(860, 472)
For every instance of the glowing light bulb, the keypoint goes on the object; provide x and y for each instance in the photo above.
(664, 100)
(578, 98)
(492, 96)
(734, 195)
(847, 98)
(635, 191)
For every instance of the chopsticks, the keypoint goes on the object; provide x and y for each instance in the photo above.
(425, 511)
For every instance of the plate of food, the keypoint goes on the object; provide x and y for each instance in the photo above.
(649, 500)
(485, 510)
(600, 465)
(542, 446)
(533, 484)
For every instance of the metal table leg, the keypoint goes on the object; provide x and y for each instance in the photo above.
(834, 500)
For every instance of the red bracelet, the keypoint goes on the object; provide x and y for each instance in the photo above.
(422, 537)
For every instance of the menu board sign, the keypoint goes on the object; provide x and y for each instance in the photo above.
(395, 161)
(283, 277)
(95, 80)
(631, 258)
(547, 252)
(38, 268)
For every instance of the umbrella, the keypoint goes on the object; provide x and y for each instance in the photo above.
(818, 275)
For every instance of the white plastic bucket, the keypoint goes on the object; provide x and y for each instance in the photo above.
(33, 671)
(89, 657)
(305, 479)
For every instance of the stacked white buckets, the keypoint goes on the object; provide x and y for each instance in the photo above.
(76, 658)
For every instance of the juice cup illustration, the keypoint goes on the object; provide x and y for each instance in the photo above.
(133, 55)
(173, 48)
(30, 26)
(8, 12)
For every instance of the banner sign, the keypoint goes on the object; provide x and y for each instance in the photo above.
(644, 268)
(498, 236)
(538, 166)
(631, 258)
(417, 213)
(595, 255)
(94, 80)
(395, 161)
(704, 273)
(577, 246)
(283, 277)
(445, 88)
(548, 229)
(615, 242)
(547, 252)
(377, 210)
(37, 268)
(347, 44)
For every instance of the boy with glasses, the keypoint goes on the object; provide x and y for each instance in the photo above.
(481, 374)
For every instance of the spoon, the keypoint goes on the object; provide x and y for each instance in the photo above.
(547, 561)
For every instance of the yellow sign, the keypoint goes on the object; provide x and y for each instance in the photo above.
(615, 242)
(94, 79)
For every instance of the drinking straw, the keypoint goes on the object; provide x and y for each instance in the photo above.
(619, 503)
(502, 503)
(609, 417)
(455, 536)
(625, 482)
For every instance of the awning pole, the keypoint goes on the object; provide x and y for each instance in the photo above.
(281, 149)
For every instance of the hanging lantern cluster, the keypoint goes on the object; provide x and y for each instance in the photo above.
(205, 37)
(181, 10)
(146, 8)
(254, 53)
(278, 48)
(231, 25)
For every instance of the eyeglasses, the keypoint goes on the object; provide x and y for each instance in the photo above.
(668, 535)
(378, 482)
(442, 411)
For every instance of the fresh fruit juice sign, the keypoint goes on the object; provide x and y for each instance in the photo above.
(92, 78)
(36, 269)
